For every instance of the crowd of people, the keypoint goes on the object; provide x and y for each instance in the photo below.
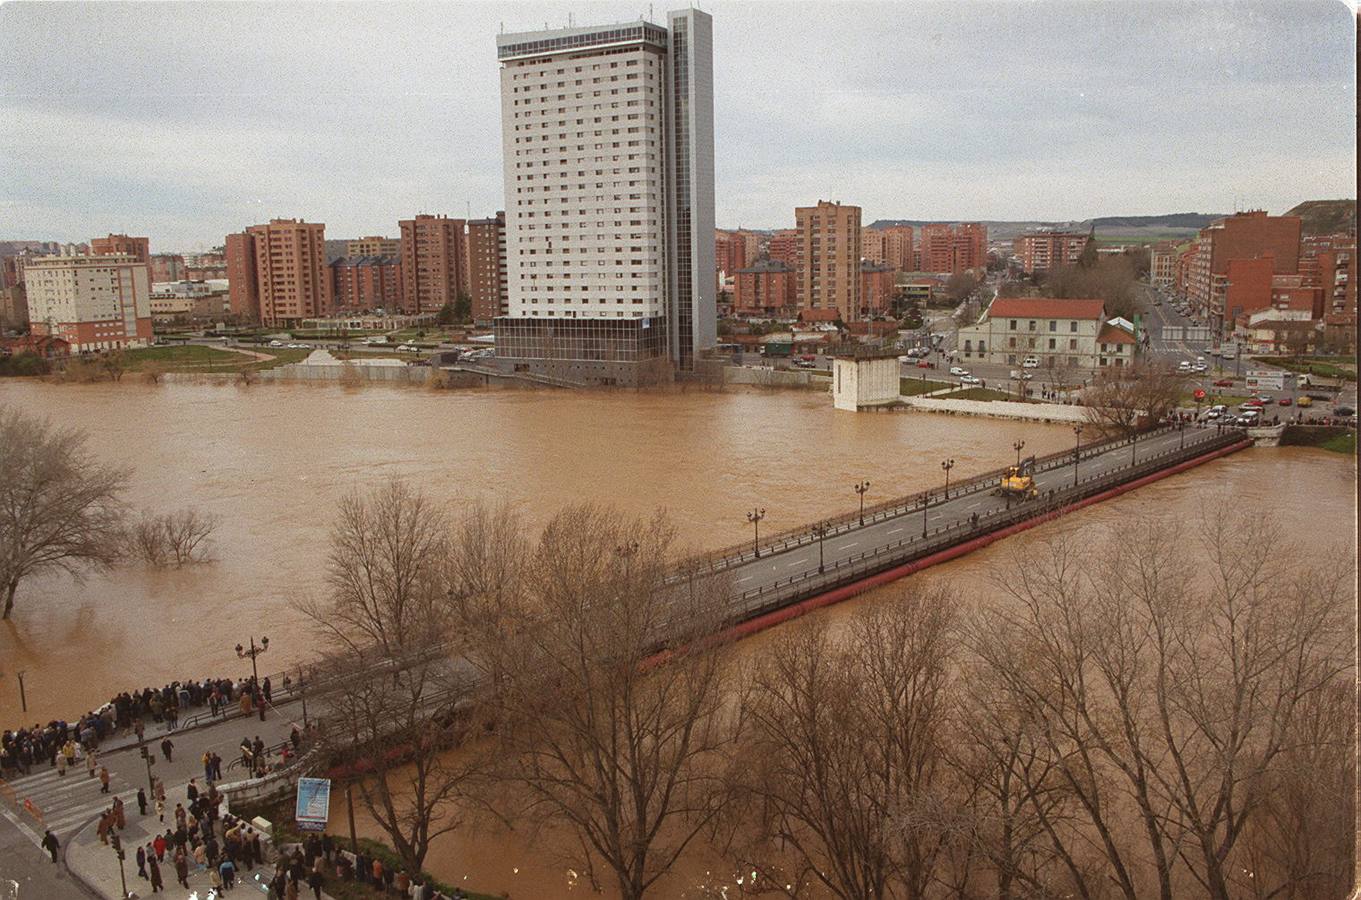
(24, 747)
(317, 855)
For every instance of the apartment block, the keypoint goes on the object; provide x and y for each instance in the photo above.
(167, 267)
(876, 288)
(487, 268)
(607, 137)
(786, 247)
(1162, 264)
(1246, 235)
(93, 302)
(434, 262)
(374, 246)
(366, 283)
(139, 248)
(829, 242)
(1328, 262)
(285, 261)
(767, 286)
(1041, 251)
(968, 247)
(242, 286)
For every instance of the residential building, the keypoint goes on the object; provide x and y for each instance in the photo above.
(968, 247)
(285, 260)
(1042, 251)
(607, 136)
(434, 262)
(366, 282)
(873, 245)
(1244, 235)
(937, 251)
(374, 246)
(765, 287)
(785, 246)
(829, 277)
(13, 306)
(93, 302)
(1162, 264)
(139, 248)
(1059, 333)
(167, 267)
(730, 252)
(487, 268)
(243, 288)
(40, 345)
(1329, 263)
(877, 284)
(184, 301)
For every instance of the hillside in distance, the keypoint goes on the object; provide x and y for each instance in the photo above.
(1325, 216)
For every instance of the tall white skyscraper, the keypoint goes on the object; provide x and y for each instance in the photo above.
(607, 135)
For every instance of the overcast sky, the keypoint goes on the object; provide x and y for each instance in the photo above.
(187, 121)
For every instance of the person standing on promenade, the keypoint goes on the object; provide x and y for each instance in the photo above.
(51, 844)
(141, 861)
(141, 802)
(155, 870)
(167, 747)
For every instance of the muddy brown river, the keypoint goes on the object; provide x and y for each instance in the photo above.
(270, 461)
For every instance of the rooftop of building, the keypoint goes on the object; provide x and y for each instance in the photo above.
(366, 261)
(1046, 308)
(766, 265)
(1113, 334)
(565, 40)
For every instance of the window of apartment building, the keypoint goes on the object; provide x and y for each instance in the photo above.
(1053, 325)
(1052, 344)
(1072, 327)
(1013, 324)
(1032, 326)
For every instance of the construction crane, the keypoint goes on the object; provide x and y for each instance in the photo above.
(1019, 481)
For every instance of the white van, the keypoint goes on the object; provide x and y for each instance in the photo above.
(1030, 362)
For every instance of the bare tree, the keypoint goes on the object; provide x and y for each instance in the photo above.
(177, 538)
(59, 507)
(1127, 400)
(1169, 688)
(114, 363)
(844, 755)
(607, 685)
(397, 702)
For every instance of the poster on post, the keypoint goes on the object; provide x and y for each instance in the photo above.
(313, 804)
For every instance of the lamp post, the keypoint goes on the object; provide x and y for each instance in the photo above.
(1018, 446)
(947, 465)
(118, 852)
(1181, 430)
(755, 517)
(820, 531)
(860, 489)
(1077, 451)
(23, 698)
(926, 499)
(253, 653)
(150, 761)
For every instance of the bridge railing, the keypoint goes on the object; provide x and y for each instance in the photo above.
(912, 503)
(810, 582)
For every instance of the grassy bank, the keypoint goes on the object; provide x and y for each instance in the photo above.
(1342, 367)
(912, 387)
(1335, 440)
(979, 393)
(280, 815)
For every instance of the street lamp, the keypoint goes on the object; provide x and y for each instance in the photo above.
(1018, 446)
(150, 761)
(755, 517)
(253, 653)
(820, 532)
(118, 852)
(1077, 451)
(947, 465)
(860, 489)
(926, 498)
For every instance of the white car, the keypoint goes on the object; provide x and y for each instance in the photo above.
(970, 379)
(957, 370)
(1030, 362)
(276, 343)
(1183, 366)
(1200, 367)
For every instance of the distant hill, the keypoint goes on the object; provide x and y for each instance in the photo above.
(1169, 220)
(1326, 216)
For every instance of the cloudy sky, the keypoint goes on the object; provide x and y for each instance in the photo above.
(186, 121)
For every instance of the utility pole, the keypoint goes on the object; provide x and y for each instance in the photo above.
(861, 489)
(755, 517)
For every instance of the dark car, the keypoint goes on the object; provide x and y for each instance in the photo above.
(1224, 382)
(1343, 411)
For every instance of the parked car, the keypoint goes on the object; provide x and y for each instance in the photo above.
(276, 343)
(1200, 368)
(1284, 401)
(1247, 420)
(1224, 382)
(1254, 403)
(956, 370)
(970, 379)
(1030, 362)
(1306, 400)
(925, 364)
(1183, 367)
(1343, 411)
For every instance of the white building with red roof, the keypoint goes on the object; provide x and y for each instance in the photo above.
(1055, 332)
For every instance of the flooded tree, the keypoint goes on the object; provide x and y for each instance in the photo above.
(1167, 676)
(60, 508)
(842, 766)
(395, 700)
(177, 538)
(1124, 401)
(606, 702)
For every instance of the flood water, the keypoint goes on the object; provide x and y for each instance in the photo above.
(272, 460)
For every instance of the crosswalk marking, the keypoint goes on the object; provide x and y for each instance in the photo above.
(64, 802)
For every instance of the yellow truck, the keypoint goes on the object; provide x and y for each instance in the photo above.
(1019, 481)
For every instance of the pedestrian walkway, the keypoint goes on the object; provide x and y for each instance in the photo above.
(62, 803)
